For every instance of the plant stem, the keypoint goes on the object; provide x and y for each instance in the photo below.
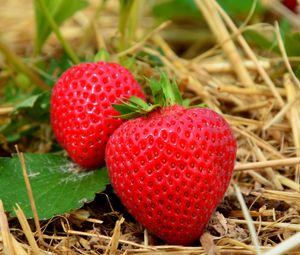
(89, 32)
(127, 22)
(19, 65)
(57, 32)
(133, 21)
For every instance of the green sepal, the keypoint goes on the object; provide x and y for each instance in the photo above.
(102, 55)
(133, 107)
(165, 94)
(186, 103)
(203, 105)
(177, 95)
(155, 90)
(139, 103)
(122, 108)
(128, 116)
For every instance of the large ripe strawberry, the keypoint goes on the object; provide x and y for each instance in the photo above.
(81, 111)
(171, 167)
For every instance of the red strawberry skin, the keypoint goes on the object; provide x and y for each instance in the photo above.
(81, 111)
(172, 168)
(291, 4)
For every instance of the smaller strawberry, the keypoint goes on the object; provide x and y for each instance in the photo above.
(172, 165)
(291, 5)
(81, 111)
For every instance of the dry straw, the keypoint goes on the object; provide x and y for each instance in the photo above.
(261, 211)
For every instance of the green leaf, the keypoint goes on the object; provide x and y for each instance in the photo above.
(12, 94)
(57, 187)
(240, 8)
(285, 26)
(175, 9)
(297, 71)
(36, 105)
(291, 43)
(60, 11)
(53, 70)
(260, 40)
(179, 9)
(27, 117)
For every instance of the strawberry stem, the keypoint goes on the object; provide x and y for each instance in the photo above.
(57, 32)
(164, 92)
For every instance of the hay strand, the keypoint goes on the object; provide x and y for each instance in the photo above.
(8, 246)
(248, 219)
(27, 230)
(223, 37)
(30, 194)
(257, 93)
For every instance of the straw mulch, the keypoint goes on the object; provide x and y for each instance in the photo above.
(258, 95)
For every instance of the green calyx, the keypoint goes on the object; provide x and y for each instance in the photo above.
(164, 92)
(133, 107)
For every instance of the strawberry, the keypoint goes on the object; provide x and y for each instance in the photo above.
(291, 5)
(81, 111)
(172, 166)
